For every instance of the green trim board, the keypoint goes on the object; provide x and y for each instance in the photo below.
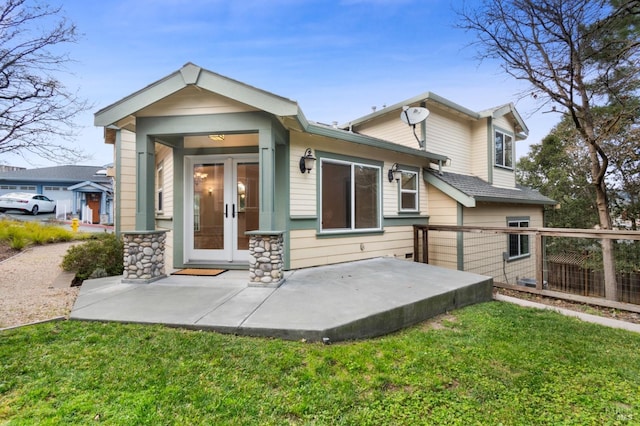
(490, 150)
(330, 132)
(118, 182)
(421, 99)
(460, 237)
(311, 222)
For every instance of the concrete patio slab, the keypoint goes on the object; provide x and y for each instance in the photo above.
(336, 302)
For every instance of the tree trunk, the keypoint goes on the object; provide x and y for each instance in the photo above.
(608, 255)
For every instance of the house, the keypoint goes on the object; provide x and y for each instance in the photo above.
(74, 188)
(213, 173)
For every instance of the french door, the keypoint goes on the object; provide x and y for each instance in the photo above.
(221, 204)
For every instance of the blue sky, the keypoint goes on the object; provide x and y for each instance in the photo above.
(337, 59)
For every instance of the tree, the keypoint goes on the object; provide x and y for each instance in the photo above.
(36, 109)
(559, 169)
(576, 55)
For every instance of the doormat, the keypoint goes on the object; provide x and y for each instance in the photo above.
(200, 272)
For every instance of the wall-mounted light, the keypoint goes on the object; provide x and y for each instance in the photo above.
(210, 191)
(307, 161)
(394, 173)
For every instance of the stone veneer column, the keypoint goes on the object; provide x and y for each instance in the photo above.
(266, 263)
(143, 256)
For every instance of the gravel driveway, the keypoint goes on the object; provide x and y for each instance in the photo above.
(32, 287)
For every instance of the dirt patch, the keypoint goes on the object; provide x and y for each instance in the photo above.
(6, 251)
(618, 314)
(28, 284)
(440, 322)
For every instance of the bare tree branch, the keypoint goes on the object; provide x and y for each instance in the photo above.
(37, 110)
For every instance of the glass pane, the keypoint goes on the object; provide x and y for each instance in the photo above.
(247, 202)
(409, 201)
(409, 181)
(499, 149)
(508, 151)
(524, 244)
(208, 209)
(336, 196)
(366, 197)
(513, 245)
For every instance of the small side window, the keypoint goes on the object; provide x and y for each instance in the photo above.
(518, 243)
(409, 191)
(159, 185)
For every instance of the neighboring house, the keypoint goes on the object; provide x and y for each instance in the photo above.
(202, 159)
(72, 187)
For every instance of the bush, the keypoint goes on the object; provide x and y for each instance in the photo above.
(21, 234)
(95, 258)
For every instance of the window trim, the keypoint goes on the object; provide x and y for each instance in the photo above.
(352, 162)
(519, 221)
(505, 134)
(402, 191)
(159, 202)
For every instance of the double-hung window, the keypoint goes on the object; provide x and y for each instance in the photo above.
(518, 243)
(409, 191)
(350, 199)
(503, 149)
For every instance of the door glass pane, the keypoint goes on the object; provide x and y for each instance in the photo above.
(208, 206)
(247, 198)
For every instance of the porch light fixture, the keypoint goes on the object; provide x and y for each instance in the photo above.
(394, 173)
(307, 161)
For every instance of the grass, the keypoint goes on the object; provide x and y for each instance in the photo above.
(494, 363)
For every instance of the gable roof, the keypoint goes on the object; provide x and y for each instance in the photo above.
(70, 174)
(286, 109)
(193, 75)
(432, 98)
(428, 97)
(467, 190)
(510, 108)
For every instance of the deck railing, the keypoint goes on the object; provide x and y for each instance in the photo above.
(564, 263)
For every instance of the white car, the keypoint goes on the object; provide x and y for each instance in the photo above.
(26, 202)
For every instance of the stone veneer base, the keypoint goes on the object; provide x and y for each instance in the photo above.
(266, 258)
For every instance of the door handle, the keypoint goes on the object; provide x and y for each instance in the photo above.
(226, 210)
(233, 211)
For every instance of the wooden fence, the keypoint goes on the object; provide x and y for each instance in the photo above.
(563, 263)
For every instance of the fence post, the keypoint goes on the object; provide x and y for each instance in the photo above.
(539, 261)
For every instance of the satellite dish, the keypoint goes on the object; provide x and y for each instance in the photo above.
(413, 115)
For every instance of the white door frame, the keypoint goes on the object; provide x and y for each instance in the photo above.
(229, 253)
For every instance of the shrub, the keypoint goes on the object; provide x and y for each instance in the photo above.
(101, 256)
(20, 234)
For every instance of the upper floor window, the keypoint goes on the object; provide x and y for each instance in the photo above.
(503, 149)
(350, 199)
(518, 243)
(409, 191)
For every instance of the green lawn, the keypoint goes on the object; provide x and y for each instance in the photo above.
(493, 363)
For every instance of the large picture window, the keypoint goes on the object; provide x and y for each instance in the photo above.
(350, 196)
(504, 149)
(518, 243)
